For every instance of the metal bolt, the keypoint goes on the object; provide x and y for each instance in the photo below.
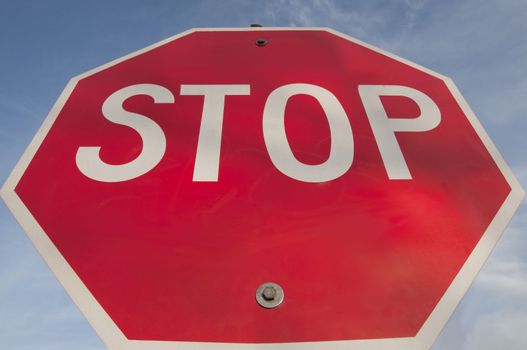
(261, 42)
(269, 295)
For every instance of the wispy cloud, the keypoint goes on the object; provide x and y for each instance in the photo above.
(33, 305)
(506, 276)
(504, 330)
(320, 13)
(493, 314)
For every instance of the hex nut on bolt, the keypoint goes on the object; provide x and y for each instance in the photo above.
(269, 295)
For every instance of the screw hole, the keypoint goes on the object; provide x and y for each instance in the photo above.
(261, 42)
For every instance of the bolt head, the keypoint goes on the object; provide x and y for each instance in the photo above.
(269, 295)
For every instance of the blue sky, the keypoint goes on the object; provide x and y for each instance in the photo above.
(480, 44)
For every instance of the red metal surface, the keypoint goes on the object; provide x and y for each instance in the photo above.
(358, 257)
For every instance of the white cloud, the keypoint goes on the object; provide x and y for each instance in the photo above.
(520, 171)
(33, 305)
(505, 273)
(493, 314)
(504, 330)
(320, 13)
(506, 276)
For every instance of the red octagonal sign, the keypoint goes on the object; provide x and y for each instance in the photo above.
(165, 187)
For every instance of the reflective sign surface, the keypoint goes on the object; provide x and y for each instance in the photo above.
(176, 182)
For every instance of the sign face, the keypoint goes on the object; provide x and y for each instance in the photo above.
(166, 187)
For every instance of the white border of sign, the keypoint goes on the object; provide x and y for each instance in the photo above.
(115, 339)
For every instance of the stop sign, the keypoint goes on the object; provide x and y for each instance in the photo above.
(285, 188)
